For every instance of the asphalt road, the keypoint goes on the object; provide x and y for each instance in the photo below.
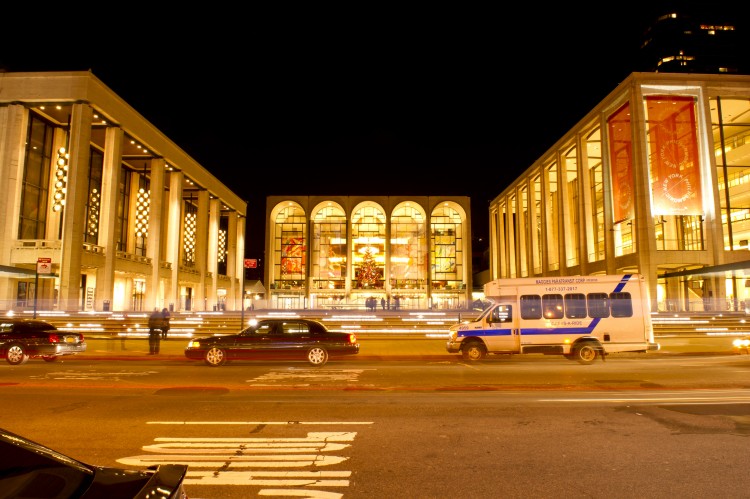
(671, 427)
(393, 349)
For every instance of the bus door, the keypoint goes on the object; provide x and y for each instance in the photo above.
(502, 329)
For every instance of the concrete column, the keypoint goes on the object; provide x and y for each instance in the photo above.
(13, 124)
(74, 218)
(235, 262)
(112, 169)
(157, 215)
(212, 250)
(174, 237)
(201, 249)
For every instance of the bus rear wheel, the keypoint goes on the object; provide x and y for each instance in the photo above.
(585, 353)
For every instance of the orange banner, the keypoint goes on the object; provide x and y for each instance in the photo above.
(293, 255)
(673, 155)
(621, 164)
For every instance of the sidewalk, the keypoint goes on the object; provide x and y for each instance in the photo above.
(392, 349)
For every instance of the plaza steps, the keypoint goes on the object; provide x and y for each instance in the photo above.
(372, 324)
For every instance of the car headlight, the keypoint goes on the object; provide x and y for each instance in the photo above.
(194, 344)
(741, 343)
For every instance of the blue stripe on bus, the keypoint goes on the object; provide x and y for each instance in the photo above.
(623, 282)
(529, 331)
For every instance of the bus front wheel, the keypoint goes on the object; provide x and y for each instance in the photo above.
(474, 350)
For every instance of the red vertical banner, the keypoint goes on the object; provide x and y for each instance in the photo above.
(673, 155)
(292, 255)
(621, 164)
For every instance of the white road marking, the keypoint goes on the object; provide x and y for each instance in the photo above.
(305, 494)
(248, 461)
(298, 376)
(219, 448)
(264, 423)
(93, 375)
(271, 478)
(232, 462)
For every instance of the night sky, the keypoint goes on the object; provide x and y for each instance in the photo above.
(324, 101)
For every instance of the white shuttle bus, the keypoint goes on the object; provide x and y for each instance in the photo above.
(579, 317)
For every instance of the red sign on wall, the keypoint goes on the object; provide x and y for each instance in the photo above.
(44, 265)
(251, 263)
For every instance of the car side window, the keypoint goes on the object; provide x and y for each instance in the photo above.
(265, 329)
(295, 328)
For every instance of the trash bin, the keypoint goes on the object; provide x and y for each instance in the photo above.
(105, 306)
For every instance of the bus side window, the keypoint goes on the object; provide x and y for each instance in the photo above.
(598, 304)
(531, 307)
(621, 303)
(552, 306)
(575, 305)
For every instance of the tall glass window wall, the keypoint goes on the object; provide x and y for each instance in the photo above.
(368, 249)
(595, 203)
(447, 254)
(525, 233)
(189, 233)
(329, 236)
(571, 218)
(537, 246)
(34, 197)
(511, 233)
(408, 257)
(93, 204)
(552, 209)
(731, 137)
(123, 208)
(730, 119)
(141, 214)
(290, 248)
(674, 163)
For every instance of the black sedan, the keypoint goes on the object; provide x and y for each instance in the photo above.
(275, 339)
(21, 339)
(29, 469)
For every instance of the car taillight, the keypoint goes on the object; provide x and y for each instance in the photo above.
(53, 338)
(352, 338)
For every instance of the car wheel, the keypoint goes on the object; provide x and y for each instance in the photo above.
(317, 356)
(49, 358)
(16, 355)
(585, 353)
(215, 357)
(473, 351)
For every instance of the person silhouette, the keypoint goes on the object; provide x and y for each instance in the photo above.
(154, 332)
(164, 323)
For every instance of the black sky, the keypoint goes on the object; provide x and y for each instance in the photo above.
(325, 101)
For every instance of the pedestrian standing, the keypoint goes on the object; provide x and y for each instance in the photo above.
(164, 323)
(154, 332)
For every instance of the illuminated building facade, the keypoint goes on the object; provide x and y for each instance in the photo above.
(654, 180)
(376, 252)
(101, 211)
(685, 40)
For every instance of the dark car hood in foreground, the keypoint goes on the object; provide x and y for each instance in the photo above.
(29, 469)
